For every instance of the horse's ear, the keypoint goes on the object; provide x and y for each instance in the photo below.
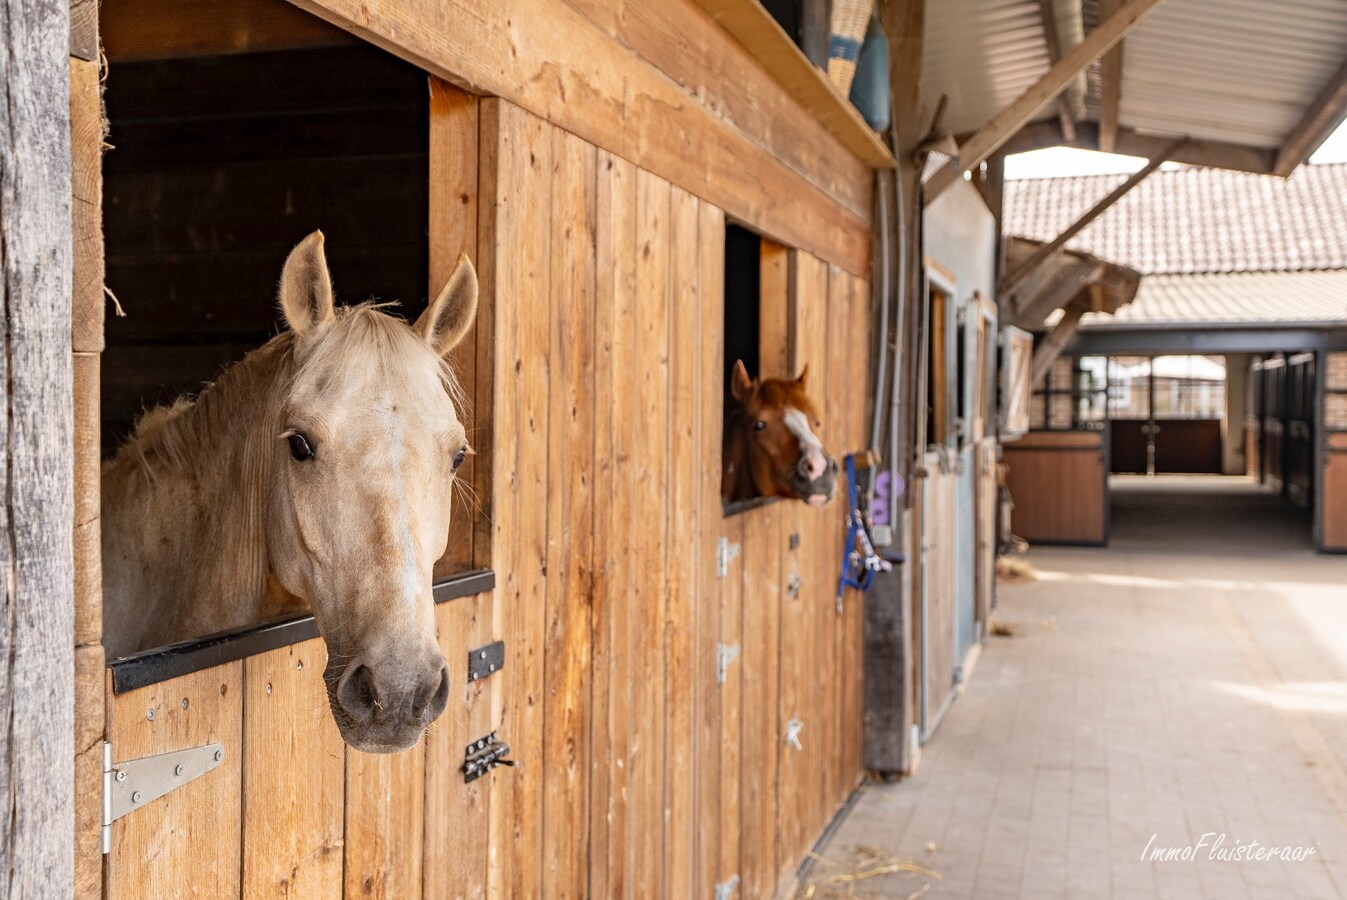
(306, 287)
(449, 316)
(740, 384)
(804, 377)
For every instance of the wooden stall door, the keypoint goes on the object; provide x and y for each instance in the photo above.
(939, 500)
(1333, 500)
(1059, 483)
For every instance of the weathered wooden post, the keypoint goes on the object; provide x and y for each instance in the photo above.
(37, 623)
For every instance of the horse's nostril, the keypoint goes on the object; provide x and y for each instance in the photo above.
(357, 695)
(434, 700)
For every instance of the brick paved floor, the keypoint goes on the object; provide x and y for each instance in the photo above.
(1190, 679)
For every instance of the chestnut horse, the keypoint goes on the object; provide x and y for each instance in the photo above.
(320, 467)
(770, 445)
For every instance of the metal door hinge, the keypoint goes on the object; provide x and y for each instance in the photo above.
(483, 755)
(793, 729)
(725, 551)
(725, 654)
(486, 660)
(133, 783)
(725, 889)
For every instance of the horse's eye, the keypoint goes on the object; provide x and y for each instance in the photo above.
(299, 447)
(459, 457)
(759, 425)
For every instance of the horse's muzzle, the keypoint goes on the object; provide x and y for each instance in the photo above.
(816, 491)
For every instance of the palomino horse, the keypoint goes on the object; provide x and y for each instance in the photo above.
(321, 465)
(770, 448)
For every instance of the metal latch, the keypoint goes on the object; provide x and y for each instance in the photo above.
(133, 783)
(483, 755)
(793, 588)
(486, 660)
(725, 889)
(793, 729)
(725, 551)
(725, 654)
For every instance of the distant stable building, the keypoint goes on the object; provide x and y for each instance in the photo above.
(1245, 267)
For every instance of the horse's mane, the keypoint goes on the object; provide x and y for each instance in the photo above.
(363, 334)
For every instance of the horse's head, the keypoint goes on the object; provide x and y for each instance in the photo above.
(782, 451)
(363, 472)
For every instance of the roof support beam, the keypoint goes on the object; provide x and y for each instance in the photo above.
(1008, 121)
(1050, 249)
(1052, 346)
(1326, 113)
(1031, 310)
(1053, 38)
(1195, 152)
(1110, 88)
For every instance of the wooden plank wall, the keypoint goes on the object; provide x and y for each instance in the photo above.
(1059, 486)
(598, 351)
(607, 512)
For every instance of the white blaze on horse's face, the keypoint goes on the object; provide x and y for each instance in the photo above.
(361, 496)
(813, 460)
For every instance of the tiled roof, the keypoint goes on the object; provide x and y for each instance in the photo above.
(1236, 299)
(1195, 220)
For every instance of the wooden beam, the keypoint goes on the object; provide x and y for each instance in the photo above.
(1052, 346)
(1050, 249)
(1029, 104)
(1053, 38)
(565, 70)
(1057, 290)
(1110, 87)
(753, 26)
(135, 30)
(1326, 113)
(1194, 152)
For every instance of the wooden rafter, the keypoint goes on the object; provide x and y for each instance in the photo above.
(1008, 121)
(1194, 152)
(1326, 113)
(1053, 38)
(1052, 346)
(1050, 249)
(1110, 88)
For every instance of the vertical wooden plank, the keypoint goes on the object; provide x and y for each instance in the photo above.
(385, 822)
(650, 373)
(89, 725)
(188, 842)
(520, 246)
(86, 183)
(763, 732)
(457, 814)
(852, 655)
(836, 393)
(570, 521)
(710, 519)
(293, 777)
(734, 848)
(681, 530)
(774, 320)
(614, 325)
(453, 192)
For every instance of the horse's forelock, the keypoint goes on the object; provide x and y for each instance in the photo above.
(365, 335)
(779, 393)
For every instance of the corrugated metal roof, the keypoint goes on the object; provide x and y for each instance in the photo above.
(1234, 71)
(1241, 71)
(982, 54)
(1232, 300)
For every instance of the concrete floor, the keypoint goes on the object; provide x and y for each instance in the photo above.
(1189, 680)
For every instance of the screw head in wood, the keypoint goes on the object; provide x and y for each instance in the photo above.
(184, 702)
(150, 715)
(135, 797)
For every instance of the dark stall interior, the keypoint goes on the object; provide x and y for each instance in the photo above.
(218, 165)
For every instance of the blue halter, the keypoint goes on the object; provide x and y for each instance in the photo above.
(860, 562)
